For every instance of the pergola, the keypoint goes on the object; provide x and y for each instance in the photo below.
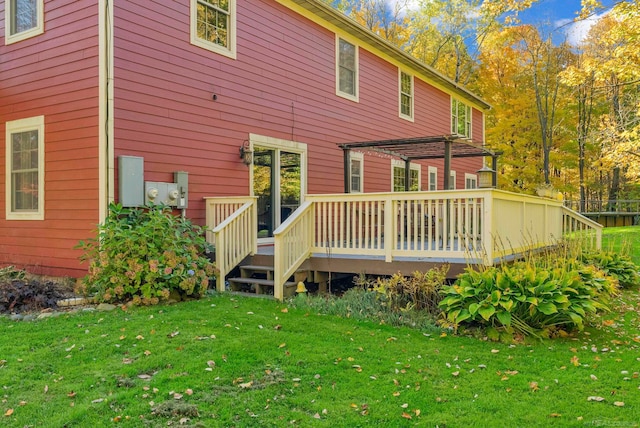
(444, 147)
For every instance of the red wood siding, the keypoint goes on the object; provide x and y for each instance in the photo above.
(54, 74)
(281, 85)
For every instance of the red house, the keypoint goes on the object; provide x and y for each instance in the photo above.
(105, 101)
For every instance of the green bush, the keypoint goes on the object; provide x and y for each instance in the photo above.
(617, 265)
(527, 298)
(145, 255)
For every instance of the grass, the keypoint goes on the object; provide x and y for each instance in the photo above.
(230, 361)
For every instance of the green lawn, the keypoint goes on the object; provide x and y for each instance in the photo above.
(230, 361)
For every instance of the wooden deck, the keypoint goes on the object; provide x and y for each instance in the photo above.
(385, 233)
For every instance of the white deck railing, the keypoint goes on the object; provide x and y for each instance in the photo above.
(480, 226)
(232, 224)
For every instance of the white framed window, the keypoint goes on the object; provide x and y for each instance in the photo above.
(346, 69)
(405, 84)
(470, 181)
(460, 118)
(397, 176)
(24, 183)
(23, 19)
(356, 172)
(213, 26)
(433, 178)
(452, 180)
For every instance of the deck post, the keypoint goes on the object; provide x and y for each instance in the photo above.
(407, 175)
(390, 237)
(487, 228)
(347, 167)
(447, 164)
(494, 167)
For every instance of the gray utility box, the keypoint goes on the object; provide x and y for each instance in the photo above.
(131, 181)
(161, 193)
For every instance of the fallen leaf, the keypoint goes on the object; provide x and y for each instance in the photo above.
(396, 394)
(139, 337)
(555, 415)
(282, 345)
(495, 351)
(317, 416)
(593, 377)
(533, 386)
(173, 334)
(618, 403)
(246, 385)
(404, 406)
(417, 412)
(46, 389)
(147, 352)
(177, 396)
(8, 412)
(455, 374)
(71, 394)
(189, 391)
(22, 403)
(594, 398)
(406, 415)
(284, 311)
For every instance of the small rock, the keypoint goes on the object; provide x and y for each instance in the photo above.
(16, 317)
(45, 315)
(88, 309)
(105, 307)
(29, 317)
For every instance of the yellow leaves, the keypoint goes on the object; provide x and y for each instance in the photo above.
(534, 386)
(575, 361)
(9, 412)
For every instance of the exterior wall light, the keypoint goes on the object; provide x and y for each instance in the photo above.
(246, 153)
(485, 177)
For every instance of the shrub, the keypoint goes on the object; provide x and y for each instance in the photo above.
(144, 255)
(420, 291)
(19, 294)
(527, 298)
(617, 265)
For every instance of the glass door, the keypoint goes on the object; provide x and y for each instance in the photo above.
(277, 182)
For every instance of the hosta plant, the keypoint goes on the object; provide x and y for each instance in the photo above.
(524, 297)
(145, 255)
(617, 265)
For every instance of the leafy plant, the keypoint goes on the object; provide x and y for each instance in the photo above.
(146, 255)
(529, 299)
(18, 294)
(420, 291)
(615, 264)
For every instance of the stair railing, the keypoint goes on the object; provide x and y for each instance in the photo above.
(576, 227)
(232, 231)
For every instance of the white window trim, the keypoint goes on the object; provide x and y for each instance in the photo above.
(357, 156)
(356, 97)
(469, 121)
(452, 180)
(395, 163)
(214, 47)
(13, 127)
(468, 177)
(433, 169)
(38, 29)
(400, 114)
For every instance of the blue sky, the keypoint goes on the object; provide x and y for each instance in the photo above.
(558, 16)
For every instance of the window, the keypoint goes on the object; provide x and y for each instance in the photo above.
(470, 181)
(460, 119)
(25, 169)
(433, 178)
(213, 25)
(356, 172)
(406, 96)
(452, 180)
(397, 168)
(346, 69)
(23, 19)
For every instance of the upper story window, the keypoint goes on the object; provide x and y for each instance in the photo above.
(470, 181)
(433, 178)
(23, 19)
(406, 96)
(213, 25)
(398, 178)
(460, 118)
(25, 169)
(346, 69)
(356, 172)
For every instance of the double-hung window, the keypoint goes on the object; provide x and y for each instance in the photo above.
(460, 118)
(356, 172)
(452, 180)
(25, 169)
(23, 19)
(398, 178)
(470, 181)
(213, 25)
(406, 96)
(433, 178)
(346, 69)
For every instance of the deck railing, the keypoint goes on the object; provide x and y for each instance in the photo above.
(232, 230)
(576, 227)
(478, 226)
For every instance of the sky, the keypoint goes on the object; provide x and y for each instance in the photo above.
(558, 16)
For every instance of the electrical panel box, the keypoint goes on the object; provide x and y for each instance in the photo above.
(181, 178)
(131, 181)
(161, 193)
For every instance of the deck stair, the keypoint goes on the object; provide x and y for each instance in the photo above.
(259, 279)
